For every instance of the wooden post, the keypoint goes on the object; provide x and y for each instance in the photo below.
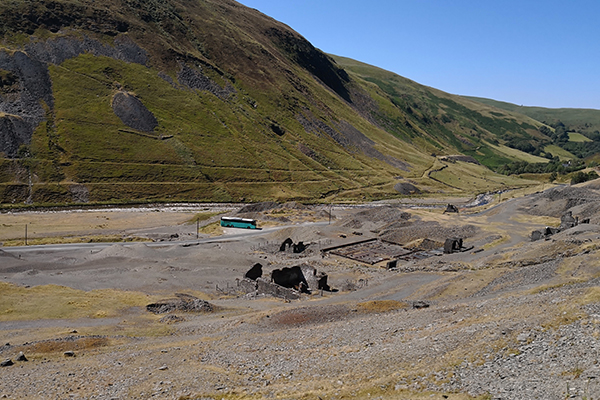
(25, 234)
(197, 228)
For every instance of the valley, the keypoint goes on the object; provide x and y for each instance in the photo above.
(506, 317)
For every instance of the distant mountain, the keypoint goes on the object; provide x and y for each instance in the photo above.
(584, 119)
(208, 100)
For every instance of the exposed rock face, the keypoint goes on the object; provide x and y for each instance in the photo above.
(406, 188)
(346, 135)
(26, 88)
(79, 193)
(61, 49)
(133, 112)
(195, 79)
(14, 132)
(317, 63)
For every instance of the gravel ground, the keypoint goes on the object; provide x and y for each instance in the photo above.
(512, 328)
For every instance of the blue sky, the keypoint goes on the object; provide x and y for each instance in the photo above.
(529, 52)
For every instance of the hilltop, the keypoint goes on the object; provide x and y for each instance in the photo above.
(164, 100)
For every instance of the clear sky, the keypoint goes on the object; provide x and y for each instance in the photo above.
(530, 52)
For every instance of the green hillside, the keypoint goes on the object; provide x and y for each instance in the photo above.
(587, 120)
(172, 100)
(445, 123)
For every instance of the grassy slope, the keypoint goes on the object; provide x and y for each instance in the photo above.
(560, 152)
(588, 119)
(578, 137)
(445, 123)
(226, 149)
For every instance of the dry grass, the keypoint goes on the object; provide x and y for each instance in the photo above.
(592, 295)
(75, 239)
(50, 302)
(212, 229)
(458, 285)
(377, 390)
(536, 219)
(499, 241)
(200, 217)
(64, 344)
(93, 223)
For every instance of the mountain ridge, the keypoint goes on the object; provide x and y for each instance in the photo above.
(245, 109)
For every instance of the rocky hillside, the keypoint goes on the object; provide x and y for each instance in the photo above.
(162, 100)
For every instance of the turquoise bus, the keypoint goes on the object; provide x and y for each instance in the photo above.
(235, 222)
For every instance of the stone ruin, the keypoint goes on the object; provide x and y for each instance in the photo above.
(286, 282)
(453, 245)
(451, 208)
(289, 245)
(291, 278)
(255, 272)
(567, 221)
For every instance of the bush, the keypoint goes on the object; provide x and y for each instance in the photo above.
(580, 177)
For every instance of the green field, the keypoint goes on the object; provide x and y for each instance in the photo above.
(560, 152)
(518, 155)
(578, 137)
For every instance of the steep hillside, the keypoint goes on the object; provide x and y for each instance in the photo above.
(162, 100)
(445, 122)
